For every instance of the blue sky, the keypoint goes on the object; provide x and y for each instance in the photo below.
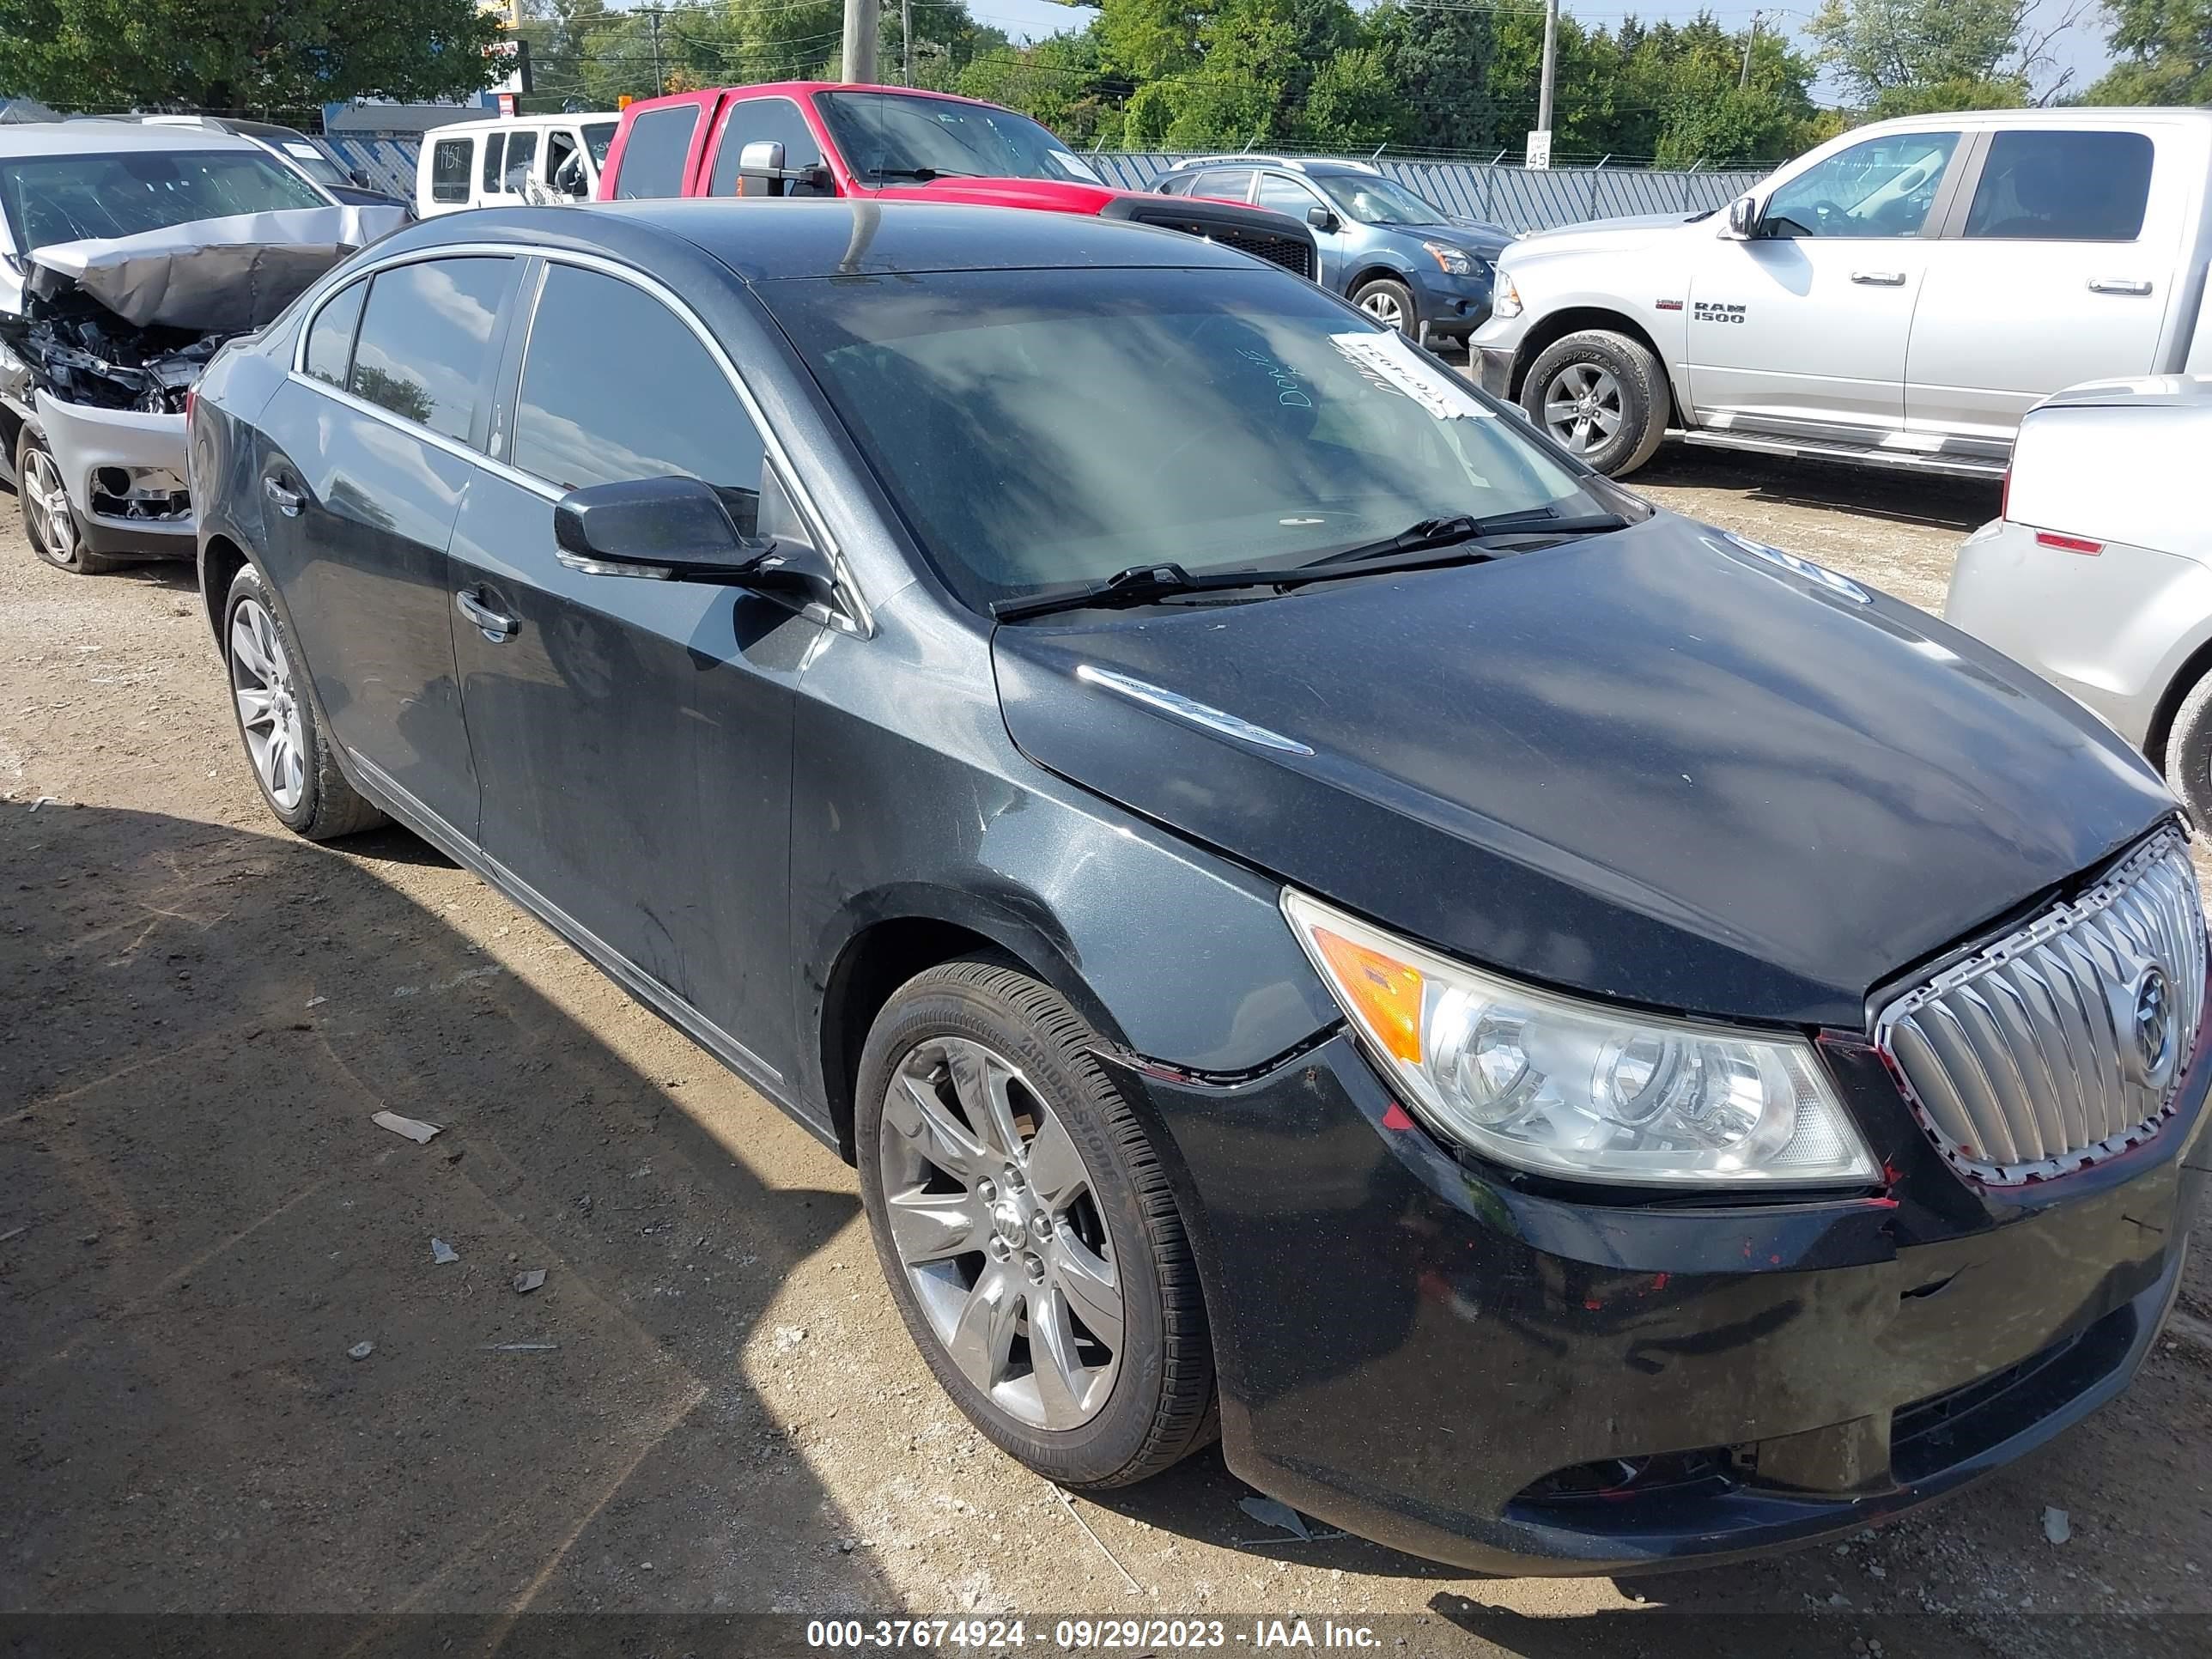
(2081, 49)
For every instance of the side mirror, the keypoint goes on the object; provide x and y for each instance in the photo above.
(1321, 218)
(1743, 217)
(673, 529)
(762, 171)
(361, 178)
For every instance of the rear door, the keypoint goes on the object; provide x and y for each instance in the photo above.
(377, 430)
(446, 167)
(658, 151)
(634, 736)
(1803, 329)
(2059, 267)
(765, 121)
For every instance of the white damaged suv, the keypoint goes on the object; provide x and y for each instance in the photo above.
(128, 255)
(1899, 297)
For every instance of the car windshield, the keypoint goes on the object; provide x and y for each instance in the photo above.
(1038, 428)
(310, 161)
(1376, 201)
(599, 136)
(68, 198)
(892, 139)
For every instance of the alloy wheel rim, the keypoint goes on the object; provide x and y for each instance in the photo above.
(1383, 306)
(53, 526)
(268, 706)
(993, 1216)
(1582, 407)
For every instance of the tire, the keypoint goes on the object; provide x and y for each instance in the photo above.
(1602, 375)
(2189, 752)
(1387, 299)
(49, 521)
(278, 726)
(1135, 1397)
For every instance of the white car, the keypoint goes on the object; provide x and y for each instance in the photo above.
(2098, 573)
(1899, 297)
(128, 254)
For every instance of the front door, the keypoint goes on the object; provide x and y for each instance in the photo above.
(1803, 329)
(2061, 271)
(766, 120)
(396, 392)
(632, 736)
(1285, 194)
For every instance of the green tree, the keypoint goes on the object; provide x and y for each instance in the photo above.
(1892, 46)
(1354, 102)
(123, 54)
(2165, 49)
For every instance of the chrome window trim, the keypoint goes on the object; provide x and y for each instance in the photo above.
(860, 618)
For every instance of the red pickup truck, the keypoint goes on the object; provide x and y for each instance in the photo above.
(791, 138)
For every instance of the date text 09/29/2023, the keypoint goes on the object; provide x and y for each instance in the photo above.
(1089, 1635)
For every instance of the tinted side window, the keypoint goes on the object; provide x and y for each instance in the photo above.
(1224, 184)
(521, 151)
(2062, 187)
(584, 415)
(425, 339)
(449, 170)
(330, 341)
(1285, 195)
(770, 120)
(495, 143)
(652, 160)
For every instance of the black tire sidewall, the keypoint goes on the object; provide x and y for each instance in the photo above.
(938, 1005)
(84, 564)
(2188, 760)
(1405, 294)
(1631, 447)
(248, 585)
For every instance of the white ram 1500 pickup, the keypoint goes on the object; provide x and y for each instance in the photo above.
(1898, 297)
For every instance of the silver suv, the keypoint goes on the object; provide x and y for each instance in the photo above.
(1396, 255)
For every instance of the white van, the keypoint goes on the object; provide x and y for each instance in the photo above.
(511, 161)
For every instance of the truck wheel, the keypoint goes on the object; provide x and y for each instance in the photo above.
(48, 520)
(1387, 300)
(2189, 752)
(1603, 397)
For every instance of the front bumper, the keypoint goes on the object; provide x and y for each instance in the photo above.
(1452, 306)
(1448, 1359)
(86, 442)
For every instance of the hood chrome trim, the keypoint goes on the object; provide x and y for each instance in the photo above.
(1182, 708)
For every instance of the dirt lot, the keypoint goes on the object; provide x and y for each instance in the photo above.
(711, 1407)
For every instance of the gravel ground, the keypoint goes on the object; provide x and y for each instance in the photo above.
(710, 1405)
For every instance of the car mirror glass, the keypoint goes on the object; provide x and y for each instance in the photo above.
(1743, 217)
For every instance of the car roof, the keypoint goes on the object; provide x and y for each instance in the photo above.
(527, 123)
(2077, 116)
(831, 236)
(109, 138)
(1314, 164)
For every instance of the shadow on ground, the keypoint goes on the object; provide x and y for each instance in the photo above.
(1960, 504)
(198, 1221)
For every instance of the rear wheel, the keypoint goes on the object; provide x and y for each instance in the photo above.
(285, 743)
(1026, 1229)
(1387, 300)
(49, 521)
(1603, 397)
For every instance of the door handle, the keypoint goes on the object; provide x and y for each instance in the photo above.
(289, 501)
(1880, 278)
(494, 625)
(2117, 285)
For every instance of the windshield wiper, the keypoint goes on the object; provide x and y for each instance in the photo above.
(1140, 584)
(925, 174)
(1429, 533)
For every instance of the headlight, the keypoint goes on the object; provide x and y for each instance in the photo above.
(1577, 1089)
(1505, 300)
(1454, 261)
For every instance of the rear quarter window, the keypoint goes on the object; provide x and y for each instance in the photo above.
(449, 170)
(330, 338)
(653, 159)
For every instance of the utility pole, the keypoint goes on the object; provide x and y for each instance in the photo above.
(860, 55)
(906, 37)
(659, 86)
(1743, 79)
(1550, 65)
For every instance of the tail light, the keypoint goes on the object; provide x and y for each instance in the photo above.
(2004, 501)
(192, 401)
(2068, 544)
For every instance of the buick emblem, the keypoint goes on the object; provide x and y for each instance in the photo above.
(2151, 1024)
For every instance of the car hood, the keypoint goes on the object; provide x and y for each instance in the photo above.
(1654, 765)
(1631, 231)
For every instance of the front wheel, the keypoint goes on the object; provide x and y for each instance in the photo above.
(49, 521)
(1026, 1229)
(2189, 752)
(1603, 397)
(1387, 300)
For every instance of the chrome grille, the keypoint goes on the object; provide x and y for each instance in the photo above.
(2065, 1042)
